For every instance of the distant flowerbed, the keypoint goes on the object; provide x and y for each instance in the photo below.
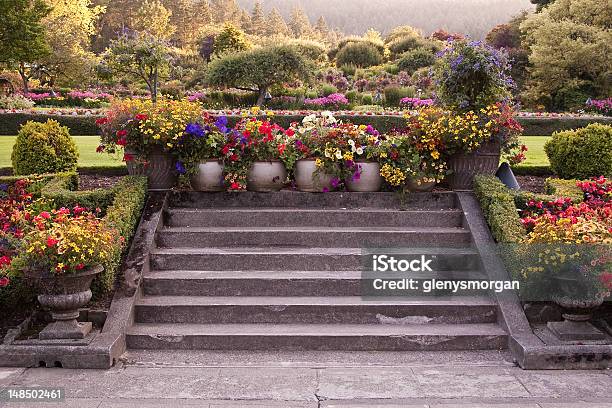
(600, 106)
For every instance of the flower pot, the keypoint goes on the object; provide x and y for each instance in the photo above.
(466, 166)
(63, 295)
(209, 177)
(578, 304)
(266, 177)
(308, 180)
(367, 178)
(134, 167)
(420, 185)
(160, 170)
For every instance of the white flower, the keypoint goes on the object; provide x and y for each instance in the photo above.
(359, 151)
(338, 154)
(351, 142)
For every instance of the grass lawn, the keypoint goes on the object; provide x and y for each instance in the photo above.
(87, 149)
(89, 158)
(535, 155)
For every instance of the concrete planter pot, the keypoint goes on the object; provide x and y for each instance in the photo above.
(265, 177)
(578, 306)
(209, 176)
(420, 185)
(160, 170)
(466, 166)
(367, 179)
(63, 295)
(308, 180)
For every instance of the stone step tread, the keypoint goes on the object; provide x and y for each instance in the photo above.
(321, 230)
(295, 275)
(275, 210)
(425, 301)
(318, 330)
(304, 251)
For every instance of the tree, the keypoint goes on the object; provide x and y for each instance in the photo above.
(361, 54)
(321, 27)
(277, 24)
(22, 35)
(153, 18)
(140, 56)
(540, 4)
(570, 43)
(259, 69)
(226, 11)
(231, 39)
(69, 28)
(299, 23)
(257, 25)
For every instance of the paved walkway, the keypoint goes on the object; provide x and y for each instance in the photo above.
(313, 380)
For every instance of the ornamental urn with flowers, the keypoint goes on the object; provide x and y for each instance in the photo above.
(63, 253)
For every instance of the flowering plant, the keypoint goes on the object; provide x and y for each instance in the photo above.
(65, 241)
(601, 106)
(416, 102)
(333, 101)
(471, 75)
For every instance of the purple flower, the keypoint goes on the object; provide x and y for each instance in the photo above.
(3, 187)
(195, 129)
(221, 124)
(180, 167)
(335, 182)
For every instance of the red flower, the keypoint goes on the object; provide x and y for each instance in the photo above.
(100, 149)
(79, 266)
(281, 148)
(122, 142)
(234, 157)
(225, 150)
(45, 215)
(122, 133)
(4, 260)
(51, 242)
(141, 116)
(4, 282)
(101, 121)
(128, 157)
(235, 186)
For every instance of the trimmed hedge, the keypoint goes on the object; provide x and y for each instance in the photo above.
(564, 188)
(523, 170)
(86, 126)
(498, 206)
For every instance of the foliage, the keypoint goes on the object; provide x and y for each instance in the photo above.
(570, 42)
(204, 139)
(600, 106)
(153, 18)
(259, 69)
(395, 94)
(140, 56)
(360, 54)
(472, 75)
(22, 34)
(499, 209)
(415, 59)
(230, 40)
(582, 153)
(44, 148)
(332, 101)
(16, 101)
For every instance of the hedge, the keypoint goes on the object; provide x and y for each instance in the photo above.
(525, 170)
(122, 206)
(499, 209)
(564, 188)
(85, 125)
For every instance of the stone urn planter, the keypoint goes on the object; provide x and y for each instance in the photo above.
(63, 295)
(367, 178)
(266, 177)
(209, 176)
(308, 180)
(466, 166)
(160, 170)
(420, 185)
(578, 304)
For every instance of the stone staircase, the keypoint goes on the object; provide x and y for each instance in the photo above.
(283, 271)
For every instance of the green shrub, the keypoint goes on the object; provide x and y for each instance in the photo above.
(564, 188)
(367, 99)
(499, 209)
(352, 96)
(44, 148)
(411, 61)
(392, 69)
(359, 54)
(394, 94)
(327, 89)
(582, 153)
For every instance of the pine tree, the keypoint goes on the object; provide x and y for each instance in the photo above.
(299, 23)
(257, 24)
(226, 11)
(276, 24)
(322, 27)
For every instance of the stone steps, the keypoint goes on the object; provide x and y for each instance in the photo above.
(272, 283)
(313, 310)
(362, 337)
(292, 258)
(283, 271)
(188, 237)
(320, 217)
